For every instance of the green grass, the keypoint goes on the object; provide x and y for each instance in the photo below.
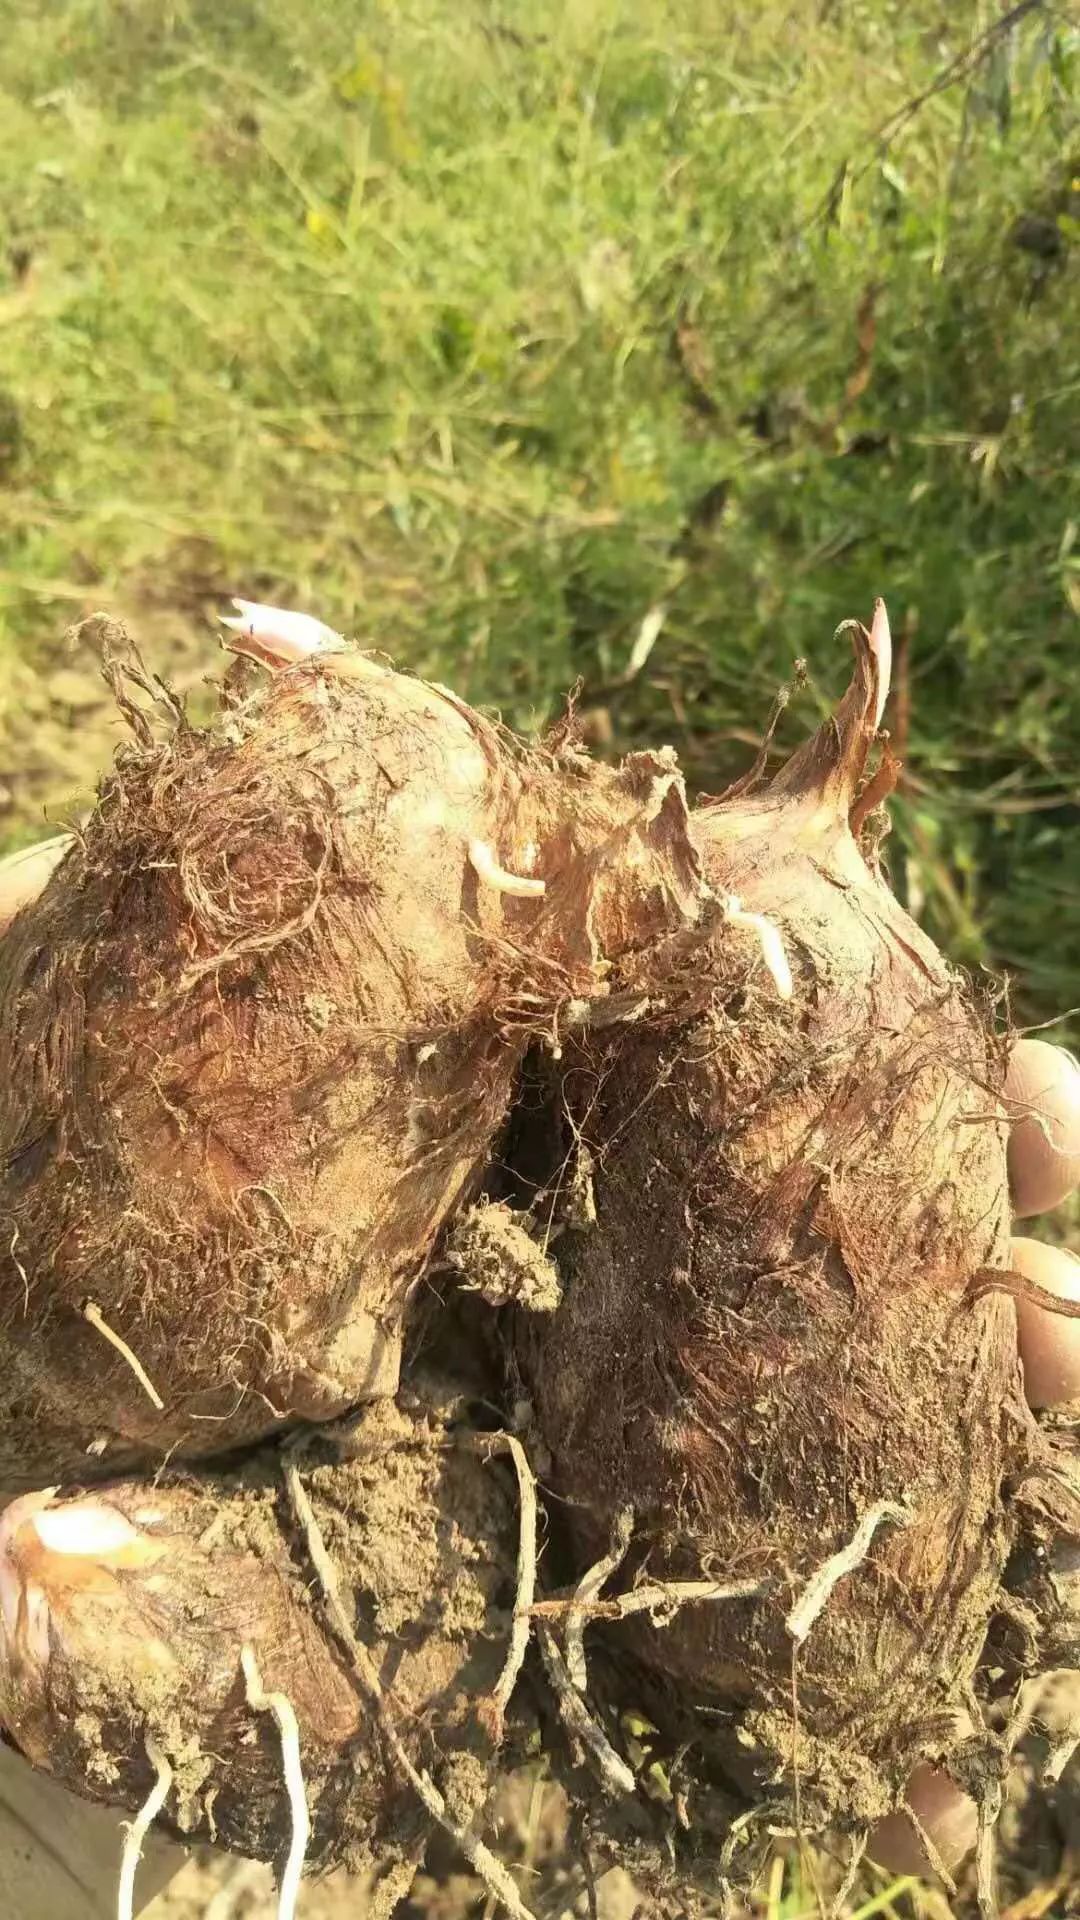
(482, 330)
(800, 1885)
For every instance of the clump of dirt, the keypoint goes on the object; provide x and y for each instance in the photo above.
(138, 1650)
(492, 1250)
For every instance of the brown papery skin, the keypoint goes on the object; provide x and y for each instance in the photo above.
(259, 1032)
(791, 1199)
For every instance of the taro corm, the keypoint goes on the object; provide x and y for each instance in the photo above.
(438, 1130)
(260, 1031)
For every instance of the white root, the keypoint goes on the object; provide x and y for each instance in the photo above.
(279, 1704)
(568, 1678)
(881, 647)
(276, 635)
(483, 1862)
(1026, 1706)
(486, 868)
(1051, 1700)
(819, 1587)
(97, 1319)
(140, 1827)
(526, 1568)
(838, 1906)
(772, 946)
(1059, 1757)
(588, 1588)
(986, 1852)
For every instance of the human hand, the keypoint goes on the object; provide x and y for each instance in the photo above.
(1042, 1091)
(23, 874)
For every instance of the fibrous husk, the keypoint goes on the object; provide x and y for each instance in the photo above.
(792, 1197)
(260, 1032)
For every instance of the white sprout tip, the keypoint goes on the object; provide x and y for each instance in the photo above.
(772, 945)
(881, 647)
(90, 1529)
(277, 635)
(486, 867)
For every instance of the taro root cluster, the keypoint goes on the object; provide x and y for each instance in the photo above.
(407, 1129)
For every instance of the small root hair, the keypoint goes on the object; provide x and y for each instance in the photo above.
(140, 1827)
(279, 1704)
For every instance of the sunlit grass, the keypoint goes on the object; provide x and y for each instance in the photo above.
(483, 331)
(799, 1885)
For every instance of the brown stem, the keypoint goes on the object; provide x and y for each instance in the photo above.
(877, 789)
(827, 770)
(1019, 1287)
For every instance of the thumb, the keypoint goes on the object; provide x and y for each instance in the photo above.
(24, 874)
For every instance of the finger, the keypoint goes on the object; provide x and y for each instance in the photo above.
(1049, 1345)
(1042, 1097)
(62, 1855)
(948, 1816)
(1042, 1093)
(24, 874)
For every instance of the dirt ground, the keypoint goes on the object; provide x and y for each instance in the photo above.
(218, 1887)
(212, 1888)
(59, 726)
(530, 1833)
